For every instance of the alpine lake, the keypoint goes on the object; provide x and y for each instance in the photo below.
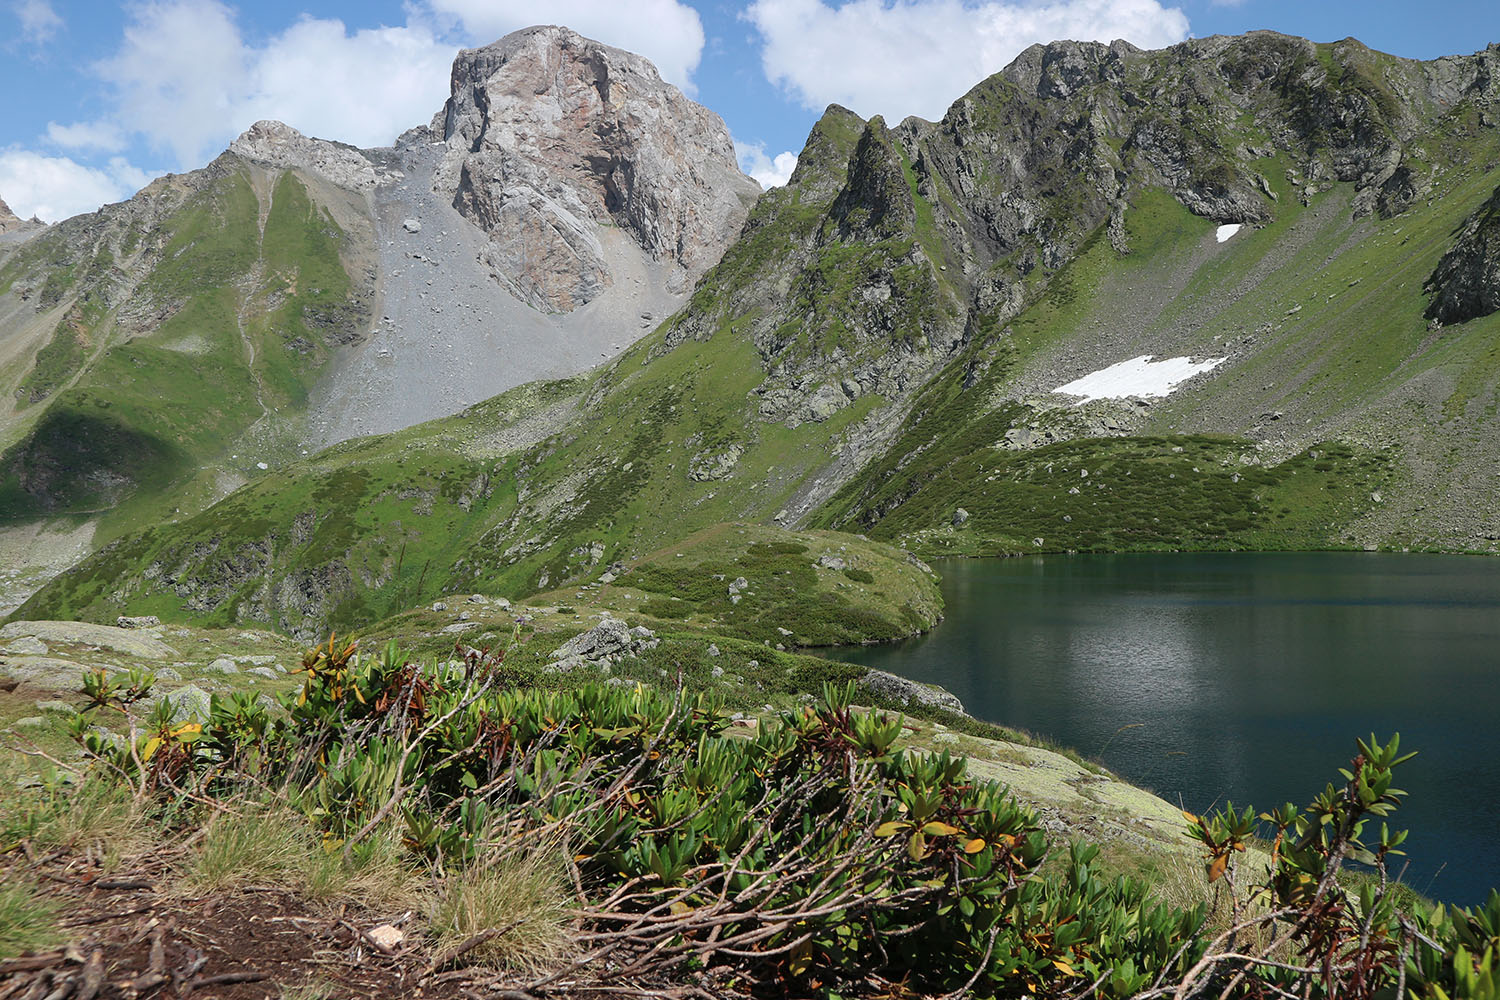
(1245, 677)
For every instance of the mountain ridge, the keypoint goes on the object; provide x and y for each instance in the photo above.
(879, 350)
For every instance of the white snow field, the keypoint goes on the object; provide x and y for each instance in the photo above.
(1224, 232)
(1137, 377)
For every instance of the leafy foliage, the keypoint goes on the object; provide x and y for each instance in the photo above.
(813, 854)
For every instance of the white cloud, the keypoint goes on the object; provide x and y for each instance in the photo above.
(57, 187)
(185, 79)
(769, 171)
(667, 32)
(915, 57)
(39, 22)
(102, 136)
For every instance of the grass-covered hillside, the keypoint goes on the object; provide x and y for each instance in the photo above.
(175, 338)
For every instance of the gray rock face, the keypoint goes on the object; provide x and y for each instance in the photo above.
(551, 135)
(142, 621)
(906, 692)
(278, 145)
(1466, 283)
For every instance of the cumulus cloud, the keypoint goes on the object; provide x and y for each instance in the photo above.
(767, 170)
(39, 22)
(57, 187)
(667, 32)
(102, 136)
(185, 79)
(915, 57)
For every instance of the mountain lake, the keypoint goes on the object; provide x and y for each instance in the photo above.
(1244, 677)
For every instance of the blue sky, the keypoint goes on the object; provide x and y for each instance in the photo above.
(101, 96)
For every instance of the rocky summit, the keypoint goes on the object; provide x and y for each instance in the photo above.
(549, 135)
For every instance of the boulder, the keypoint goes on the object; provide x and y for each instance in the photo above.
(609, 637)
(140, 621)
(908, 692)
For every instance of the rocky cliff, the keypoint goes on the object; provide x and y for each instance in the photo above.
(550, 135)
(1466, 284)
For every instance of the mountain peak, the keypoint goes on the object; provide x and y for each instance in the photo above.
(277, 144)
(551, 135)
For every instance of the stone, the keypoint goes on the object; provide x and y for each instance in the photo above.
(223, 665)
(608, 637)
(783, 631)
(27, 645)
(830, 561)
(127, 641)
(717, 672)
(266, 672)
(386, 937)
(59, 707)
(411, 225)
(713, 649)
(960, 517)
(502, 604)
(30, 722)
(439, 606)
(906, 692)
(478, 599)
(188, 702)
(141, 621)
(458, 627)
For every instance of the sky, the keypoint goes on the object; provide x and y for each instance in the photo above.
(102, 96)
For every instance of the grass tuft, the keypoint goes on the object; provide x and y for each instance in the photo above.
(523, 898)
(27, 922)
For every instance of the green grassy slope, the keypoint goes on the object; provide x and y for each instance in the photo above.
(240, 324)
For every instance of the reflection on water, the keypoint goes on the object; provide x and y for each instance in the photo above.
(1244, 676)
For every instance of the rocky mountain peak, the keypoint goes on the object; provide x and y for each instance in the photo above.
(9, 220)
(278, 145)
(550, 135)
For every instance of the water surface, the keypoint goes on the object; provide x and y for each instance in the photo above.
(1241, 676)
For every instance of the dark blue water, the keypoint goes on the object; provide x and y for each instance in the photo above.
(1208, 677)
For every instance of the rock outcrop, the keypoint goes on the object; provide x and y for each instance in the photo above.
(1466, 283)
(280, 146)
(551, 136)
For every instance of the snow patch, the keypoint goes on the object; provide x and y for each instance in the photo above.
(1137, 377)
(1224, 232)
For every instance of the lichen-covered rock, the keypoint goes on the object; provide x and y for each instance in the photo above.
(1466, 283)
(551, 135)
(908, 692)
(146, 647)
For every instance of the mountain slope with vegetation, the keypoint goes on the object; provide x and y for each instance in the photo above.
(877, 353)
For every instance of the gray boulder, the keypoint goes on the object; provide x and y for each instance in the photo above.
(609, 638)
(908, 692)
(140, 621)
